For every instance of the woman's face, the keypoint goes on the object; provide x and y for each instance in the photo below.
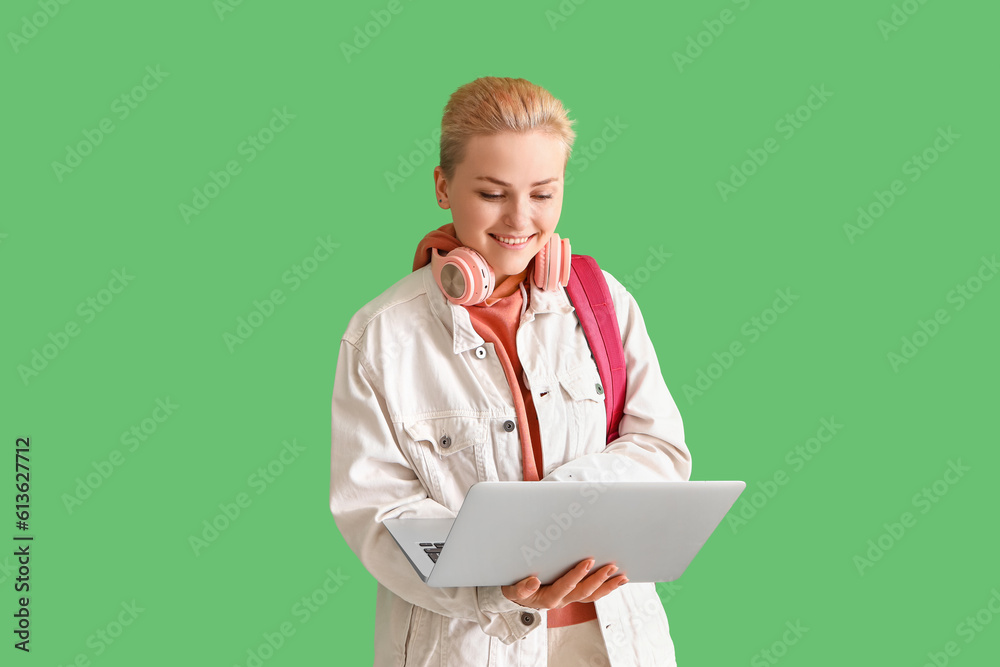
(508, 185)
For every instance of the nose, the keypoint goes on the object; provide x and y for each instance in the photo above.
(517, 215)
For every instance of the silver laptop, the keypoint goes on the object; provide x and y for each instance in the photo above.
(506, 531)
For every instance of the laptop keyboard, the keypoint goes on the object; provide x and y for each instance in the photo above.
(432, 549)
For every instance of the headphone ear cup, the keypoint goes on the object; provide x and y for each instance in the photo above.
(464, 276)
(552, 264)
(565, 257)
(542, 265)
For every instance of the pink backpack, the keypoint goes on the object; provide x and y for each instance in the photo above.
(588, 292)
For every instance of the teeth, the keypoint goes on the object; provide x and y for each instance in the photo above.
(509, 240)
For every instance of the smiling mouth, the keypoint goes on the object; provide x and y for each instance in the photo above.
(512, 242)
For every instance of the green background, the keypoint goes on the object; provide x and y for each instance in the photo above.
(356, 119)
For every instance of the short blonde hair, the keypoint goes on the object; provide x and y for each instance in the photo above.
(490, 105)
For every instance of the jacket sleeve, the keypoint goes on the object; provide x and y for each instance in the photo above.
(650, 446)
(371, 479)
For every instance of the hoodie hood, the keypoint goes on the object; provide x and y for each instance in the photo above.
(443, 238)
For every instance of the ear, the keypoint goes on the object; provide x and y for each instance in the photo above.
(440, 187)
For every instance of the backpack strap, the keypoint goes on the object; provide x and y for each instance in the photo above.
(591, 298)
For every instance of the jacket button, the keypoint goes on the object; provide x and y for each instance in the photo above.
(481, 352)
(446, 441)
(508, 426)
(527, 618)
(600, 389)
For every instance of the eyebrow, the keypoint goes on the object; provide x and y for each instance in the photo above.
(499, 182)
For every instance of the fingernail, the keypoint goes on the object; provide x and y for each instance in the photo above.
(590, 564)
(623, 581)
(614, 568)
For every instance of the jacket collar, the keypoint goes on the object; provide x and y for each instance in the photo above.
(456, 318)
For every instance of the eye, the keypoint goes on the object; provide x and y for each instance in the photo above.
(488, 196)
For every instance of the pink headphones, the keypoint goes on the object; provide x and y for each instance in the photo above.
(466, 279)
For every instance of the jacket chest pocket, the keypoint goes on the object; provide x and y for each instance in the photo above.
(452, 449)
(586, 412)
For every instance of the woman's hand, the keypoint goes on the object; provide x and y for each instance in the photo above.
(571, 587)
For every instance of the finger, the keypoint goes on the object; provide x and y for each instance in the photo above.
(593, 582)
(521, 590)
(560, 592)
(528, 587)
(607, 587)
(566, 583)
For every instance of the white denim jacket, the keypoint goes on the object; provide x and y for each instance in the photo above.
(411, 370)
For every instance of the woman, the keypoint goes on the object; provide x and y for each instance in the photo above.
(432, 396)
